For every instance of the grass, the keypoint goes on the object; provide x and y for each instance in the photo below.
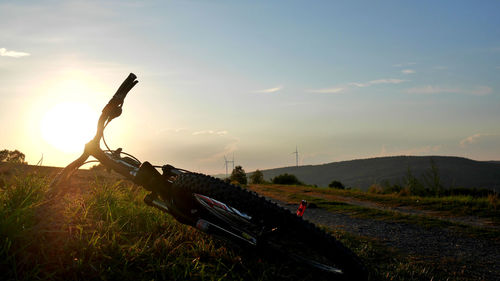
(108, 233)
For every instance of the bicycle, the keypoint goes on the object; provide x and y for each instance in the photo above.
(224, 210)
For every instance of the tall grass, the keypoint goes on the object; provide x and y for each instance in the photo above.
(106, 233)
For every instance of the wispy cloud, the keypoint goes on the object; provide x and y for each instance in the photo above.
(13, 54)
(327, 90)
(345, 87)
(408, 71)
(478, 91)
(476, 138)
(359, 85)
(431, 90)
(404, 64)
(229, 148)
(270, 90)
(470, 139)
(387, 81)
(210, 132)
(376, 82)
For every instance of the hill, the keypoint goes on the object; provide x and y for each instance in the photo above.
(453, 171)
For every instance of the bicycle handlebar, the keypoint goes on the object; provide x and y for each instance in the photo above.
(112, 110)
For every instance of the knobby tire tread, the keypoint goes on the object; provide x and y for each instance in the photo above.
(269, 214)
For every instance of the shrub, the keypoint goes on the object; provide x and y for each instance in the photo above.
(474, 192)
(433, 180)
(404, 192)
(389, 189)
(234, 183)
(336, 184)
(493, 200)
(286, 178)
(375, 188)
(257, 177)
(239, 175)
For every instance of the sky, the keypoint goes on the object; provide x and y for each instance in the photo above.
(339, 80)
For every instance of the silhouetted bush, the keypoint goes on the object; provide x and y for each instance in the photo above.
(336, 184)
(389, 189)
(14, 156)
(474, 192)
(493, 200)
(257, 177)
(239, 175)
(286, 178)
(376, 188)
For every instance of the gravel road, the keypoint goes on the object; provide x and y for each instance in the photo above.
(434, 244)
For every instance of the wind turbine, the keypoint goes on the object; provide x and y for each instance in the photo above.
(296, 156)
(228, 161)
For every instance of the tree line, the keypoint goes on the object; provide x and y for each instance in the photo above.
(12, 156)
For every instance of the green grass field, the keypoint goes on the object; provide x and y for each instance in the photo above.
(108, 233)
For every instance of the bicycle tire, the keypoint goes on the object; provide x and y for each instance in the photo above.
(268, 214)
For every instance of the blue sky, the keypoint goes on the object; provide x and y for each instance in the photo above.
(341, 80)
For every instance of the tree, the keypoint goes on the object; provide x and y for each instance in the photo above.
(413, 184)
(286, 178)
(239, 175)
(15, 156)
(3, 155)
(257, 177)
(433, 179)
(336, 184)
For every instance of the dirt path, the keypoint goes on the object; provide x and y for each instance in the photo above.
(467, 220)
(474, 221)
(434, 245)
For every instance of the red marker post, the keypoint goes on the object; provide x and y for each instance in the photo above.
(302, 208)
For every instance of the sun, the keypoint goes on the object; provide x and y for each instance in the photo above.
(68, 126)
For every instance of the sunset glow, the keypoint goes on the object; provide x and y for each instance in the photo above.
(337, 80)
(68, 126)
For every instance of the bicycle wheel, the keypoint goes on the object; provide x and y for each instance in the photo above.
(294, 237)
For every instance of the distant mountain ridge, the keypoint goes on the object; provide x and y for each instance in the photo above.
(361, 173)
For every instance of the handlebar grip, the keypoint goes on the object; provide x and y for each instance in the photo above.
(125, 87)
(114, 107)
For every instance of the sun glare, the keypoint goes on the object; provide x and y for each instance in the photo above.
(68, 126)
